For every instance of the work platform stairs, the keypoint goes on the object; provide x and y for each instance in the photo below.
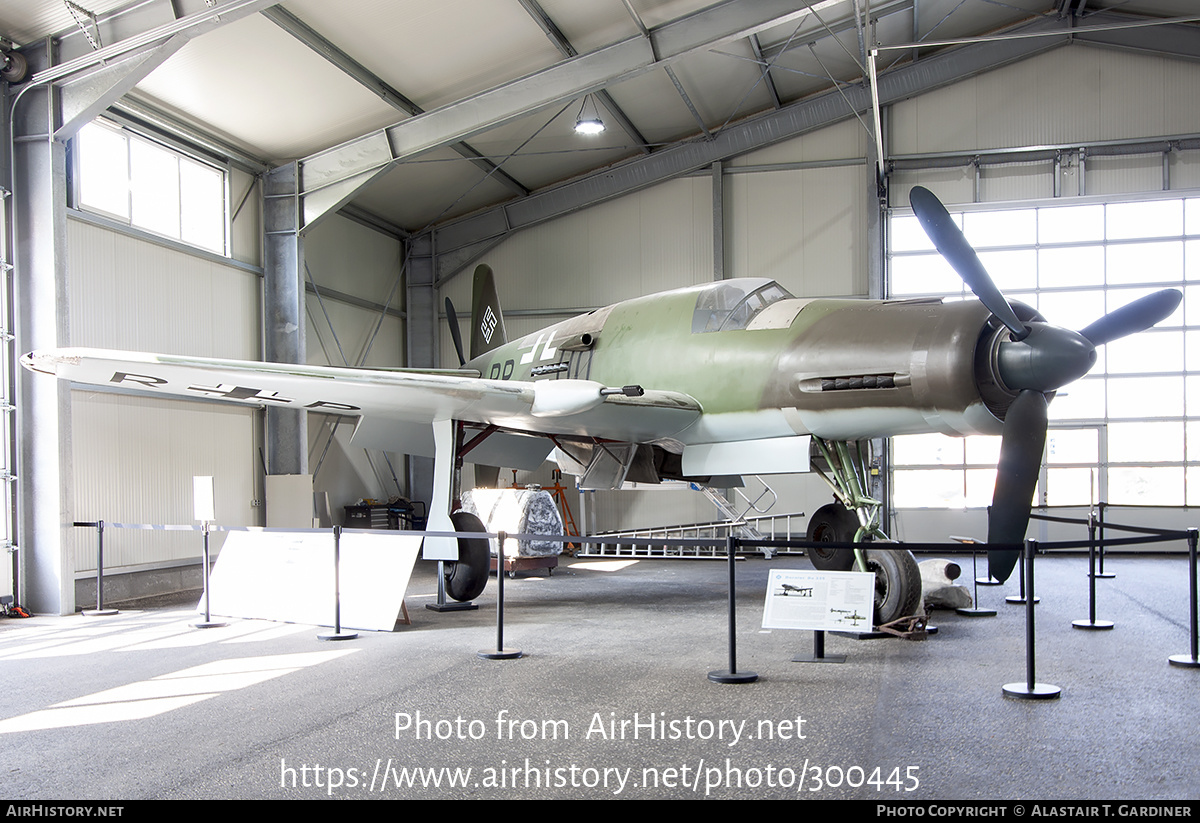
(748, 519)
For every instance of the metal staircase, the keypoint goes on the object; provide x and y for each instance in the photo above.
(734, 520)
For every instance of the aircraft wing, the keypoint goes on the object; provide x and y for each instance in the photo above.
(389, 403)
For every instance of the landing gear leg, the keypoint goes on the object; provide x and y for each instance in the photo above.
(855, 518)
(463, 562)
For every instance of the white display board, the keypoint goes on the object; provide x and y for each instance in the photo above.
(288, 576)
(819, 601)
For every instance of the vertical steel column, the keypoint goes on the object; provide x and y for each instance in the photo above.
(421, 342)
(283, 312)
(44, 405)
(9, 568)
(718, 214)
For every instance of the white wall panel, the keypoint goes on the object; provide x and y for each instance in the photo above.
(363, 338)
(649, 241)
(805, 229)
(1067, 95)
(134, 457)
(347, 257)
(246, 229)
(349, 473)
(127, 293)
(353, 259)
(1118, 175)
(1073, 95)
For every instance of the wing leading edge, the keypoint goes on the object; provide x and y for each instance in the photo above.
(382, 396)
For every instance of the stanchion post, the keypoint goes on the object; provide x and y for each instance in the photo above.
(100, 611)
(1191, 661)
(1100, 554)
(1030, 689)
(337, 633)
(500, 653)
(207, 622)
(1020, 598)
(1092, 622)
(732, 675)
(976, 610)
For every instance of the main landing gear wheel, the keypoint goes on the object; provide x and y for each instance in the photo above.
(897, 584)
(832, 523)
(466, 577)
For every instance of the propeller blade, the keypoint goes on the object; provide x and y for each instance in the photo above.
(962, 258)
(455, 332)
(1016, 477)
(1134, 317)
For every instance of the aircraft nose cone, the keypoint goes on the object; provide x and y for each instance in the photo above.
(1046, 359)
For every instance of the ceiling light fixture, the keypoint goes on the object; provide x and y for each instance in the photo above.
(588, 121)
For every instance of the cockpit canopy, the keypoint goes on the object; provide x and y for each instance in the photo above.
(732, 304)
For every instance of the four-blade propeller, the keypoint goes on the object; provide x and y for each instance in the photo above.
(1038, 359)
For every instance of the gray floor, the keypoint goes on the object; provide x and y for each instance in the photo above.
(141, 706)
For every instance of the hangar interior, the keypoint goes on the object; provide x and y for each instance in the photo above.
(307, 182)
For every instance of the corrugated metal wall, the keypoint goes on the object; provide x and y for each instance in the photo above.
(1068, 96)
(134, 458)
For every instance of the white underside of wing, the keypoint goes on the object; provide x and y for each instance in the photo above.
(381, 396)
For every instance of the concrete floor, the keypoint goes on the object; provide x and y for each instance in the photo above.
(142, 706)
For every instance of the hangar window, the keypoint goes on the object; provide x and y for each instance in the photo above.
(150, 186)
(1129, 431)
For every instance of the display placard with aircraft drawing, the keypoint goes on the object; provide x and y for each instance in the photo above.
(819, 600)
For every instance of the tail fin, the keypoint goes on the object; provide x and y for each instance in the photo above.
(487, 320)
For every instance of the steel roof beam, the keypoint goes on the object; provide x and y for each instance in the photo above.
(819, 111)
(377, 85)
(332, 177)
(749, 135)
(140, 35)
(765, 68)
(560, 41)
(1180, 40)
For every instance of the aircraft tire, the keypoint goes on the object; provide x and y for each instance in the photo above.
(832, 523)
(467, 577)
(897, 584)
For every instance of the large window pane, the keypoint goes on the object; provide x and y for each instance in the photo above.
(923, 274)
(1070, 266)
(150, 186)
(1013, 227)
(927, 450)
(154, 180)
(1071, 309)
(1145, 262)
(1146, 485)
(202, 216)
(1149, 351)
(915, 489)
(1070, 224)
(1152, 218)
(1145, 397)
(1072, 487)
(103, 170)
(1072, 446)
(1145, 442)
